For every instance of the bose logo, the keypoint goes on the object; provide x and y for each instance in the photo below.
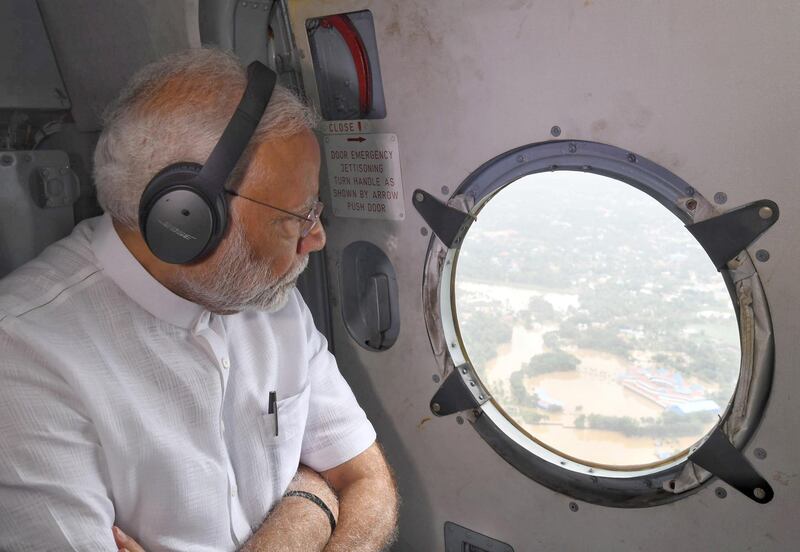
(175, 230)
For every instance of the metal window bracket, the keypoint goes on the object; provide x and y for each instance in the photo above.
(444, 221)
(718, 456)
(723, 237)
(456, 395)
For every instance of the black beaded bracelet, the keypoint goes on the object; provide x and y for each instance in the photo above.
(318, 501)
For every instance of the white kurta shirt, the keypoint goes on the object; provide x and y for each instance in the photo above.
(121, 402)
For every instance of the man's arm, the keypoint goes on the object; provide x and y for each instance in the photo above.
(368, 503)
(366, 511)
(53, 489)
(295, 524)
(339, 443)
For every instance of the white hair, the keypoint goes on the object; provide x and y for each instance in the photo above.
(174, 110)
(237, 280)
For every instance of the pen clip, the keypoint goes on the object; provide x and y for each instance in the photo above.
(272, 408)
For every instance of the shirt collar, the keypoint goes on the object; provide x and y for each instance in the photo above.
(122, 267)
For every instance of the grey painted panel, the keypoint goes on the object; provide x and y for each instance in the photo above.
(707, 90)
(26, 227)
(216, 22)
(30, 76)
(99, 45)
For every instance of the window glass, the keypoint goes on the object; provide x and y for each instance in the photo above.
(596, 321)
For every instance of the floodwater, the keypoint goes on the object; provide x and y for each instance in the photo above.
(514, 298)
(510, 357)
(606, 447)
(582, 392)
(592, 389)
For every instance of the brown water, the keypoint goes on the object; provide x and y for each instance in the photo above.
(592, 389)
(510, 357)
(585, 392)
(606, 447)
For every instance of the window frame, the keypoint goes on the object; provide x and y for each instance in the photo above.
(648, 485)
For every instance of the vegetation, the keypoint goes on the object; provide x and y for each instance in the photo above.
(531, 416)
(518, 391)
(540, 310)
(669, 424)
(642, 299)
(554, 361)
(487, 330)
(551, 341)
(545, 363)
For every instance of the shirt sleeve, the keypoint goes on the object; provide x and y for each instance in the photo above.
(52, 490)
(337, 428)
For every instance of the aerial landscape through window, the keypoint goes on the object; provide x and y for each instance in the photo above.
(595, 320)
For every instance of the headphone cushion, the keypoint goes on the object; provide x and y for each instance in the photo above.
(178, 220)
(171, 175)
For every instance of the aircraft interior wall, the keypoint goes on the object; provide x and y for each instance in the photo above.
(705, 91)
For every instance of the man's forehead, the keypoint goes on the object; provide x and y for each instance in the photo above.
(285, 169)
(293, 153)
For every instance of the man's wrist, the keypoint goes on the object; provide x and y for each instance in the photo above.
(294, 524)
(318, 502)
(310, 481)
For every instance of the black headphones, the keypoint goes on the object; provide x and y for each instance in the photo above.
(183, 212)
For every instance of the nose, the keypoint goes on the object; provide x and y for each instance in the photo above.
(313, 242)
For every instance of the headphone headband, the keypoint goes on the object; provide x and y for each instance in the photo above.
(220, 164)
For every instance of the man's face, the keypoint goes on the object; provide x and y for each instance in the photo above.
(258, 263)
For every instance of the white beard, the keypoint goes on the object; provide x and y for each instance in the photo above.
(239, 281)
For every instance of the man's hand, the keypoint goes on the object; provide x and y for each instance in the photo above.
(124, 542)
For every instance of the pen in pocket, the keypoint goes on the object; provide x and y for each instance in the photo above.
(272, 408)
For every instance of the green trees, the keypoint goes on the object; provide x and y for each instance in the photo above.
(669, 424)
(484, 331)
(553, 361)
(557, 361)
(551, 341)
(518, 392)
(530, 416)
(603, 339)
(540, 310)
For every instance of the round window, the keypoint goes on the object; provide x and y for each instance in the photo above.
(595, 320)
(588, 335)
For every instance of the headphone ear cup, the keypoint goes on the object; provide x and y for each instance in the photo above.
(171, 175)
(179, 223)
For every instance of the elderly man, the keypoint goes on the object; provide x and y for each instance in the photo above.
(192, 406)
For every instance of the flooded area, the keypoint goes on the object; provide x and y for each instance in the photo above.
(590, 392)
(511, 356)
(599, 325)
(594, 388)
(515, 298)
(606, 447)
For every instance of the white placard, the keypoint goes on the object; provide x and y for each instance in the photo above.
(364, 176)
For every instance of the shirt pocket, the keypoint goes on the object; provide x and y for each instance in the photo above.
(288, 421)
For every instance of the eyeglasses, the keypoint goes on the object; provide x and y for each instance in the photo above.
(310, 219)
